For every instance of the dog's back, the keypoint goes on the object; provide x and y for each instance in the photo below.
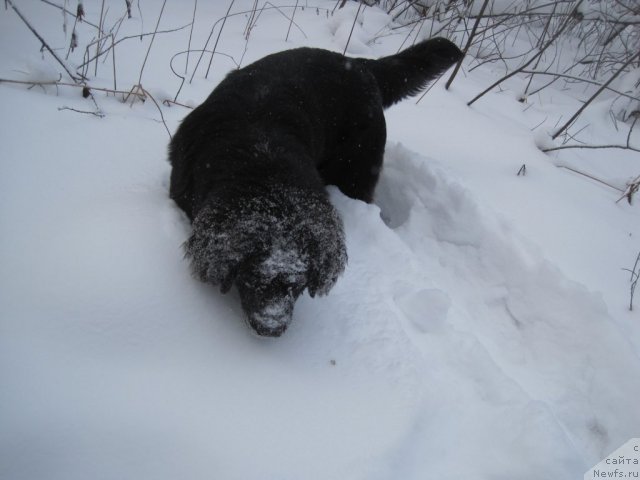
(251, 162)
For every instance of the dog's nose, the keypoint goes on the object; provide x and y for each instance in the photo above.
(268, 306)
(267, 329)
(271, 318)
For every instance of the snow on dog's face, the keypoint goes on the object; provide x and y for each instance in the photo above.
(269, 289)
(271, 247)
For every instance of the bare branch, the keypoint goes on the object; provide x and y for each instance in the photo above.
(151, 43)
(215, 46)
(42, 40)
(352, 27)
(159, 110)
(286, 39)
(130, 37)
(571, 169)
(542, 49)
(593, 97)
(466, 48)
(593, 147)
(66, 84)
(97, 113)
(67, 12)
(578, 79)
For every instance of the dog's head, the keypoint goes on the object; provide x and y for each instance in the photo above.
(272, 247)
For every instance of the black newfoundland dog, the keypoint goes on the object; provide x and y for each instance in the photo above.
(250, 165)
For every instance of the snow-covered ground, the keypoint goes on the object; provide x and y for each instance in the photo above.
(481, 330)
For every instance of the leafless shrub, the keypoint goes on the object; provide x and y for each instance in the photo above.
(593, 44)
(633, 280)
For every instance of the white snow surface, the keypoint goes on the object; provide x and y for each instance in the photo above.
(481, 329)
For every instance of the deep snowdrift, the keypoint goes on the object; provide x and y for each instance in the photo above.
(477, 332)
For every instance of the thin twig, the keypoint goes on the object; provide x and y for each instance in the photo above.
(598, 92)
(291, 22)
(72, 46)
(632, 188)
(97, 113)
(183, 79)
(42, 40)
(193, 21)
(251, 21)
(571, 169)
(466, 48)
(279, 10)
(130, 37)
(635, 275)
(532, 59)
(352, 27)
(578, 79)
(113, 60)
(151, 43)
(168, 103)
(100, 22)
(244, 12)
(66, 84)
(67, 12)
(215, 46)
(593, 147)
(159, 110)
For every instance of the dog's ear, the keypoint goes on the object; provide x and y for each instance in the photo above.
(229, 278)
(314, 284)
(325, 270)
(218, 247)
(325, 247)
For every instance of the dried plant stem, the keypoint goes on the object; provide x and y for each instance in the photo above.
(593, 147)
(99, 40)
(42, 40)
(632, 188)
(571, 169)
(193, 21)
(130, 37)
(279, 10)
(113, 60)
(540, 40)
(183, 78)
(578, 79)
(593, 97)
(251, 21)
(138, 91)
(66, 84)
(73, 32)
(542, 49)
(67, 12)
(168, 103)
(353, 25)
(265, 7)
(635, 275)
(95, 71)
(98, 114)
(151, 43)
(215, 46)
(468, 45)
(145, 92)
(291, 22)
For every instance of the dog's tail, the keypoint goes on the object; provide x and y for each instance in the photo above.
(406, 73)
